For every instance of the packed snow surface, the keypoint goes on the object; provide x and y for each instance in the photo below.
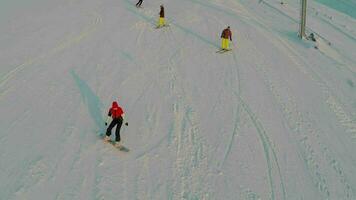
(275, 118)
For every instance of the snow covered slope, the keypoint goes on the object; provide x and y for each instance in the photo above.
(272, 119)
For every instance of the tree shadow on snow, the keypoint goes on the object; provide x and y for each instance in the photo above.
(92, 100)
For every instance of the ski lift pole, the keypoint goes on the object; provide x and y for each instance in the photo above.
(303, 18)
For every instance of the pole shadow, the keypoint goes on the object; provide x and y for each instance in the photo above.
(93, 102)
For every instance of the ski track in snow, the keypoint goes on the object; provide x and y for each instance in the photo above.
(258, 126)
(183, 137)
(296, 122)
(292, 115)
(344, 119)
(266, 143)
(191, 161)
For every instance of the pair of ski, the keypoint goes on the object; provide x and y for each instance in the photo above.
(223, 50)
(158, 27)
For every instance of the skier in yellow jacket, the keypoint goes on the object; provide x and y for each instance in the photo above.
(161, 21)
(225, 36)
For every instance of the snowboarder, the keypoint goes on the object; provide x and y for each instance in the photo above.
(138, 4)
(117, 115)
(225, 36)
(161, 21)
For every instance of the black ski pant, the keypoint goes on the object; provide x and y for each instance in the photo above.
(118, 122)
(139, 3)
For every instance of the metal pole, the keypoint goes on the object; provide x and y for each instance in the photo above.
(303, 18)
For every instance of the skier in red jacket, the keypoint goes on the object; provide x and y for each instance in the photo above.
(117, 115)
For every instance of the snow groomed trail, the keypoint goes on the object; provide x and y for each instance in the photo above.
(272, 119)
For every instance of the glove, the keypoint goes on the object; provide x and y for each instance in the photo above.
(106, 123)
(126, 124)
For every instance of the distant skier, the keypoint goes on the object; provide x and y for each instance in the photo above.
(117, 115)
(161, 21)
(312, 37)
(225, 36)
(138, 4)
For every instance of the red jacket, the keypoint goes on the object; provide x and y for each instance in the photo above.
(226, 34)
(115, 111)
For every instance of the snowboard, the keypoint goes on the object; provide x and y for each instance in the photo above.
(223, 50)
(122, 148)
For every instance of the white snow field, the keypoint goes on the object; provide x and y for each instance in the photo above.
(274, 119)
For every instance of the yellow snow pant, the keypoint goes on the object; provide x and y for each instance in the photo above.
(225, 43)
(161, 21)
